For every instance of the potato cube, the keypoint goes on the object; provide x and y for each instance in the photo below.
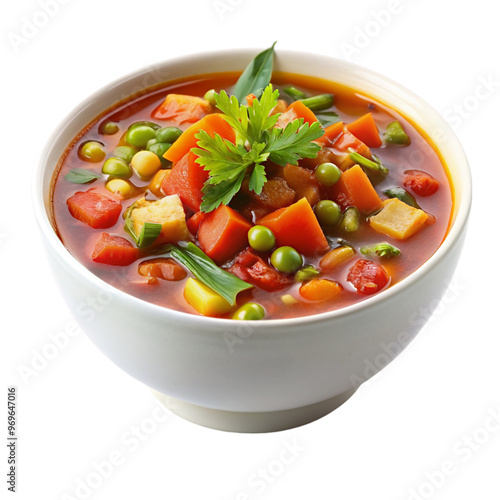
(398, 220)
(204, 299)
(168, 212)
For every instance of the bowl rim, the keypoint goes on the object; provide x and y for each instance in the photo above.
(457, 227)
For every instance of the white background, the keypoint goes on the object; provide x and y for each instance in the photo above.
(389, 442)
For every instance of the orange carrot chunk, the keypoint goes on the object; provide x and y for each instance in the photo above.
(298, 227)
(194, 222)
(114, 250)
(332, 132)
(182, 108)
(365, 129)
(186, 179)
(320, 290)
(355, 189)
(223, 233)
(296, 110)
(94, 209)
(211, 124)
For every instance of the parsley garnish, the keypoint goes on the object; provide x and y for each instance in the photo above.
(258, 140)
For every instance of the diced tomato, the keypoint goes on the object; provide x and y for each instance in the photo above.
(186, 180)
(331, 134)
(193, 223)
(420, 182)
(347, 140)
(94, 209)
(182, 108)
(114, 250)
(162, 268)
(368, 277)
(275, 194)
(253, 269)
(223, 233)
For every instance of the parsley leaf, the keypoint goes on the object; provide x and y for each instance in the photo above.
(258, 140)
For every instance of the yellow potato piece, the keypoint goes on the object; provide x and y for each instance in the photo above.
(204, 299)
(398, 220)
(168, 212)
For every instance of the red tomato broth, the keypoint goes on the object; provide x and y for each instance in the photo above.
(80, 239)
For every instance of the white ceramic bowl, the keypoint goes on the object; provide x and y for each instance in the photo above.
(267, 375)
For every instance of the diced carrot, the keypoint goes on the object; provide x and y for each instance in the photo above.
(296, 110)
(298, 227)
(223, 233)
(331, 134)
(355, 189)
(114, 250)
(251, 268)
(365, 129)
(320, 290)
(211, 124)
(186, 179)
(162, 268)
(94, 209)
(193, 223)
(182, 108)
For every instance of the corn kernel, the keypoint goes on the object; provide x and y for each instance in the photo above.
(288, 300)
(121, 187)
(204, 299)
(146, 163)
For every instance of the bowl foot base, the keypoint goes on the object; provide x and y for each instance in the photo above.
(233, 421)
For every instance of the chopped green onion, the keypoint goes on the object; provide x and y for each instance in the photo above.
(81, 176)
(306, 273)
(374, 166)
(318, 102)
(382, 249)
(394, 134)
(350, 220)
(149, 233)
(220, 281)
(402, 195)
(294, 93)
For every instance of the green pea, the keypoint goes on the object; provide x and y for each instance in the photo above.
(153, 125)
(117, 168)
(286, 259)
(159, 149)
(109, 128)
(92, 151)
(261, 238)
(139, 135)
(125, 153)
(168, 134)
(328, 174)
(210, 97)
(250, 311)
(328, 212)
